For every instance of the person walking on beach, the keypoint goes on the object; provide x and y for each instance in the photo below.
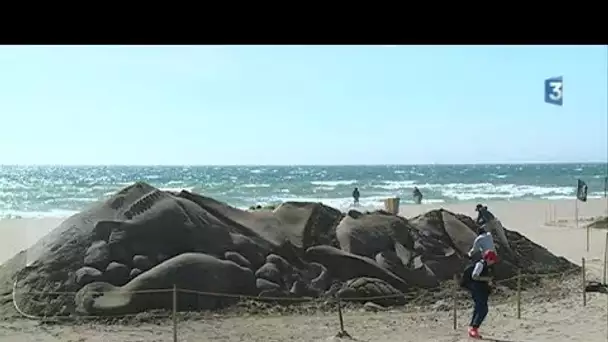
(356, 196)
(477, 278)
(417, 195)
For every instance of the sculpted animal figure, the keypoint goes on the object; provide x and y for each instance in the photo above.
(188, 271)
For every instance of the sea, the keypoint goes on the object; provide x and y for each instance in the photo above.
(59, 191)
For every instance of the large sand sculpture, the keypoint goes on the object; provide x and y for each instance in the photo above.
(143, 238)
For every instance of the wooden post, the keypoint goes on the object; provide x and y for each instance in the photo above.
(605, 259)
(340, 316)
(554, 219)
(576, 211)
(342, 333)
(588, 229)
(584, 284)
(518, 293)
(455, 303)
(174, 313)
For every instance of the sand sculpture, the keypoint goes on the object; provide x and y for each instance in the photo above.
(143, 238)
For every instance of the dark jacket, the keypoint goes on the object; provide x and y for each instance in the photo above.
(477, 285)
(484, 216)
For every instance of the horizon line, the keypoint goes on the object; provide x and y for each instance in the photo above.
(305, 165)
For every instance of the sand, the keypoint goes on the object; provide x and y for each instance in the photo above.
(20, 234)
(553, 313)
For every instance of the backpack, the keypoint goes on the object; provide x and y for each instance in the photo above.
(466, 277)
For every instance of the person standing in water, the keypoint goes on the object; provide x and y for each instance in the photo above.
(417, 195)
(356, 196)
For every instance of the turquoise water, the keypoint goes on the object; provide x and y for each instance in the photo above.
(59, 190)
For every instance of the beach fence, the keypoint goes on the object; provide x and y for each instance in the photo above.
(551, 217)
(346, 311)
(556, 217)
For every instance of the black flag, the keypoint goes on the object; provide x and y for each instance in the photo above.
(581, 191)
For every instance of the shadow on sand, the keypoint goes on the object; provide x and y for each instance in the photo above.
(490, 338)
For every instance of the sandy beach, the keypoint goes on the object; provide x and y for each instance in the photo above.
(551, 224)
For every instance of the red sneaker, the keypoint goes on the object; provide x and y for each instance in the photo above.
(474, 333)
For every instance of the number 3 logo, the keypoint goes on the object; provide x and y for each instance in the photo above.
(556, 90)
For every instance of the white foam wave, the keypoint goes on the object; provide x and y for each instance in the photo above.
(75, 199)
(251, 185)
(343, 203)
(465, 192)
(299, 171)
(562, 197)
(432, 201)
(334, 183)
(323, 188)
(395, 185)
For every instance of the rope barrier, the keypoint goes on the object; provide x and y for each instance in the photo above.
(118, 291)
(79, 317)
(498, 303)
(410, 296)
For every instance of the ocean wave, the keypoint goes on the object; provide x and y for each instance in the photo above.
(464, 192)
(334, 183)
(563, 197)
(342, 203)
(253, 185)
(37, 191)
(323, 188)
(395, 185)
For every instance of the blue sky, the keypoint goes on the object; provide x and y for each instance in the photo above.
(202, 105)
